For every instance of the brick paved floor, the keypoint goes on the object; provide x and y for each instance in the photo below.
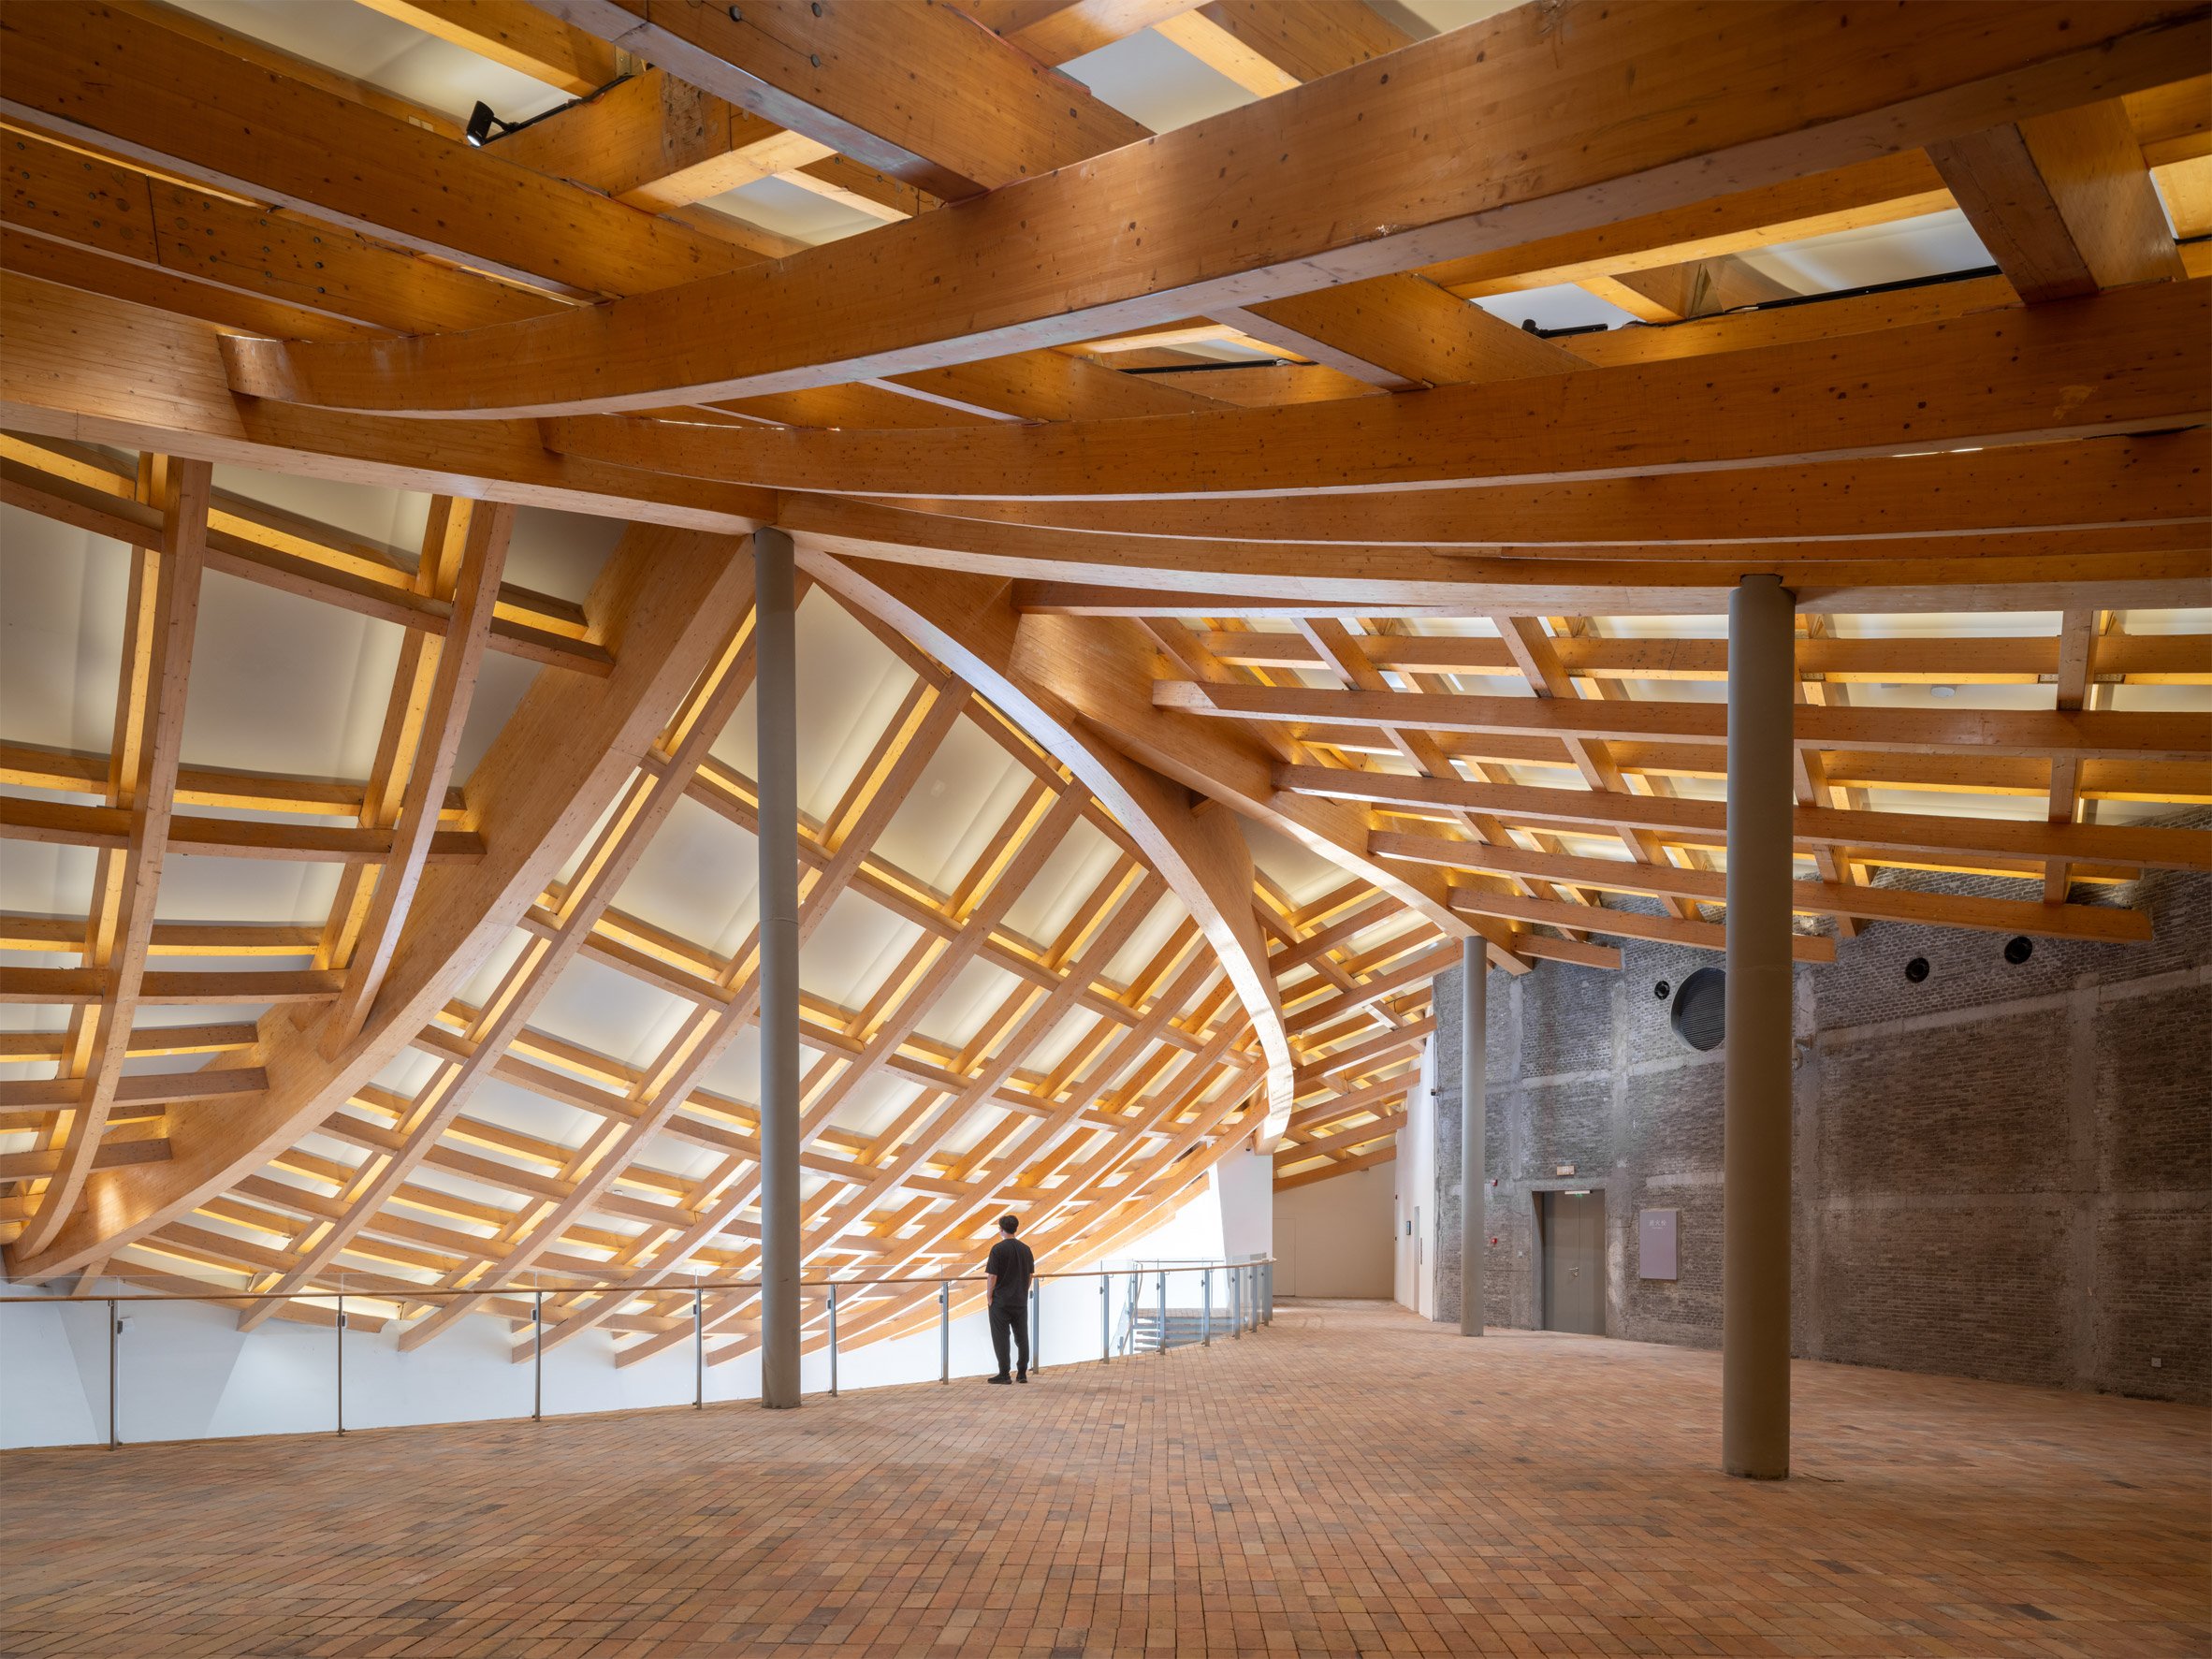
(1352, 1481)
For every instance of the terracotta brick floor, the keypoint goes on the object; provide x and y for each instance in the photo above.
(1352, 1481)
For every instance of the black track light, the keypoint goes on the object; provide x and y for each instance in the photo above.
(481, 121)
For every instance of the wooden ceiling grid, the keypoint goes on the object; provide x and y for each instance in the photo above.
(1386, 583)
(1094, 1144)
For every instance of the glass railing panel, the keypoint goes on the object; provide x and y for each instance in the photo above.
(186, 1370)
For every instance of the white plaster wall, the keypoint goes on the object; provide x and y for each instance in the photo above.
(1414, 1231)
(1333, 1238)
(1244, 1186)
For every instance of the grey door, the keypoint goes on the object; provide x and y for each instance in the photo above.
(1574, 1261)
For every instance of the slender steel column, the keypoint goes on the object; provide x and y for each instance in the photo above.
(775, 705)
(1473, 1126)
(342, 1361)
(1756, 1179)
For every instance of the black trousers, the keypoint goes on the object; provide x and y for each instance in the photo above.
(1011, 1319)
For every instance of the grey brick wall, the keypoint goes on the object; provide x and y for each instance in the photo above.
(2004, 1171)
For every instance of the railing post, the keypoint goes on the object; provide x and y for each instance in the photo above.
(1206, 1331)
(833, 1335)
(537, 1358)
(1236, 1302)
(1105, 1320)
(114, 1334)
(342, 1362)
(1036, 1324)
(1267, 1291)
(944, 1330)
(1163, 1310)
(698, 1350)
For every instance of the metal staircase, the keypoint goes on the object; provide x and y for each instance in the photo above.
(1151, 1322)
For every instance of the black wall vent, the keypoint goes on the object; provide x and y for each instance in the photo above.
(1699, 1014)
(1916, 969)
(2019, 949)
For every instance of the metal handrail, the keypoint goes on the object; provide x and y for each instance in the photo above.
(432, 1293)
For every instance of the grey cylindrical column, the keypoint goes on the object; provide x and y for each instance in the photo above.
(774, 705)
(1474, 1124)
(1755, 1193)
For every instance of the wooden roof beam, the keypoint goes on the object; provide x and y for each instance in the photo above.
(82, 367)
(2138, 349)
(514, 34)
(276, 269)
(1343, 1166)
(2104, 923)
(124, 82)
(2111, 492)
(2171, 123)
(451, 688)
(150, 733)
(2062, 201)
(1395, 331)
(2149, 847)
(769, 59)
(2174, 736)
(1355, 158)
(2144, 659)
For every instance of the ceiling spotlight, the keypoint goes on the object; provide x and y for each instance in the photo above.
(481, 121)
(1945, 692)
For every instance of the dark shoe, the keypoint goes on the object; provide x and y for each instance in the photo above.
(998, 1379)
(1021, 1377)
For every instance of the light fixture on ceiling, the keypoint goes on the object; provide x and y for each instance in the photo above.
(479, 132)
(1945, 692)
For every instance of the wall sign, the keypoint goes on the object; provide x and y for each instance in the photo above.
(1655, 1244)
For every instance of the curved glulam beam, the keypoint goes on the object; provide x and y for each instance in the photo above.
(2087, 497)
(1347, 178)
(1094, 683)
(669, 600)
(2131, 360)
(970, 626)
(1078, 573)
(83, 366)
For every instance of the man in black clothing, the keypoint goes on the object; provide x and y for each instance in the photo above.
(1006, 1273)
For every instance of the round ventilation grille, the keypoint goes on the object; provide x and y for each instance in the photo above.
(1698, 1015)
(1916, 969)
(2019, 949)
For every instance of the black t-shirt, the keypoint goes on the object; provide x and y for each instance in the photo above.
(1012, 1262)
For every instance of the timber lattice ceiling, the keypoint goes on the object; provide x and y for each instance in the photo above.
(1219, 605)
